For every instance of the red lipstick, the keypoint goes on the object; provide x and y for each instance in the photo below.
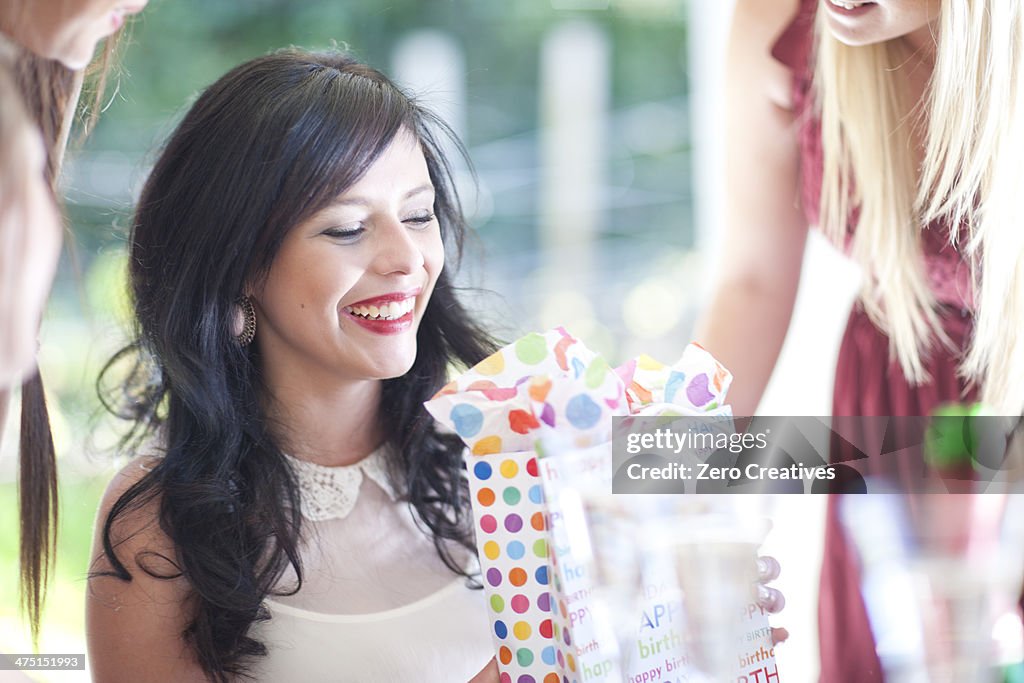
(387, 314)
(388, 298)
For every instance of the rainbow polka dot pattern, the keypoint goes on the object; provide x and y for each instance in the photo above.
(500, 407)
(511, 532)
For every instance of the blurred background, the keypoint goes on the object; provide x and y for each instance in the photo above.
(594, 127)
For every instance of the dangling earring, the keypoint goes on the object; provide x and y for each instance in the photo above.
(245, 321)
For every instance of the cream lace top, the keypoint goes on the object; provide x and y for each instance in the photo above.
(377, 603)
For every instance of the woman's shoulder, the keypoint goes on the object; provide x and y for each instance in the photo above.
(130, 474)
(775, 24)
(794, 37)
(129, 525)
(138, 466)
(768, 46)
(137, 602)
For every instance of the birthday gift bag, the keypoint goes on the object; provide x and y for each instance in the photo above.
(642, 639)
(496, 408)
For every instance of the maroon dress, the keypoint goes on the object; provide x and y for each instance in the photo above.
(867, 381)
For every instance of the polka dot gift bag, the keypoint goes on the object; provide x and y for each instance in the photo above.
(498, 408)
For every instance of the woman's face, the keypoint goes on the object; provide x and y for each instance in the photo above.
(856, 22)
(346, 292)
(69, 30)
(30, 241)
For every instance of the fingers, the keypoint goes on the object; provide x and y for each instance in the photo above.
(779, 635)
(768, 569)
(770, 599)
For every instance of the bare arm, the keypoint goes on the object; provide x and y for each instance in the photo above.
(134, 628)
(752, 303)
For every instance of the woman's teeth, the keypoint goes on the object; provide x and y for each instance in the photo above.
(389, 311)
(847, 5)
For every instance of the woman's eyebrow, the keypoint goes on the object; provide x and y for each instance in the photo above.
(425, 187)
(360, 201)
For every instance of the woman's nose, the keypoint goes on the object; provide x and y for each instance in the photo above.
(398, 251)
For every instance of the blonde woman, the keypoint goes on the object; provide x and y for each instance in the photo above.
(896, 126)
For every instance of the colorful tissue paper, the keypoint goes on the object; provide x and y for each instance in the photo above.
(551, 384)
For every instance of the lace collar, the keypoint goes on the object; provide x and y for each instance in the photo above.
(331, 492)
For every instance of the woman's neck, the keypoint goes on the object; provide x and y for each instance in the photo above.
(326, 424)
(920, 63)
(917, 71)
(922, 44)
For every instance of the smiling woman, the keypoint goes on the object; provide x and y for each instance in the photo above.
(293, 514)
(362, 271)
(866, 23)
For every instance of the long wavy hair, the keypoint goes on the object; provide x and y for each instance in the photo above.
(268, 145)
(972, 179)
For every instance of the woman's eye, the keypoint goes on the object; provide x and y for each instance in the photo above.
(347, 234)
(420, 219)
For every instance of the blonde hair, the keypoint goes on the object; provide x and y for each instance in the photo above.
(972, 177)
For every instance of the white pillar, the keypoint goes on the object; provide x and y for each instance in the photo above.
(708, 32)
(432, 66)
(574, 100)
